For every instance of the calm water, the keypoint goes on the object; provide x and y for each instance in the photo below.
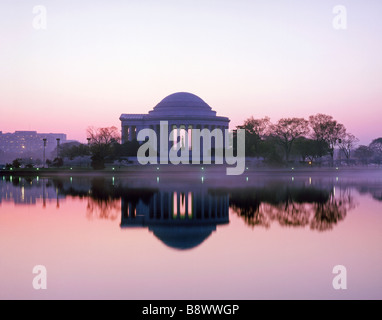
(192, 236)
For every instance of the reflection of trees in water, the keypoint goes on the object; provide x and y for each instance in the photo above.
(103, 196)
(103, 208)
(289, 214)
(327, 214)
(377, 195)
(102, 203)
(375, 191)
(292, 206)
(332, 211)
(250, 208)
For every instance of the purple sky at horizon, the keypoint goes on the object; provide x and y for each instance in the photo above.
(98, 59)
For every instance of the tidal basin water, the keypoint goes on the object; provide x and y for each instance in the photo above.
(196, 235)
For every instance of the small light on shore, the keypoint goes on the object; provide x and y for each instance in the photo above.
(246, 179)
(336, 168)
(113, 169)
(38, 169)
(202, 179)
(202, 168)
(292, 168)
(157, 168)
(71, 168)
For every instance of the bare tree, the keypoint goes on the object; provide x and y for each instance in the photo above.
(103, 136)
(347, 144)
(287, 130)
(101, 140)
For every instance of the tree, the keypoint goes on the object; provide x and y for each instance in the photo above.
(255, 130)
(347, 144)
(287, 130)
(72, 150)
(101, 141)
(306, 148)
(328, 131)
(16, 163)
(364, 153)
(376, 147)
(58, 162)
(128, 149)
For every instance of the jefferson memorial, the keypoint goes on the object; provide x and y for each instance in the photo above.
(182, 110)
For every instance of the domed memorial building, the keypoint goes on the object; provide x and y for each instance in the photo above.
(182, 110)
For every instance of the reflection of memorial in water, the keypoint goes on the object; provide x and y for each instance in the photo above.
(172, 210)
(180, 219)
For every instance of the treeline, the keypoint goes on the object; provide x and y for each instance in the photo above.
(309, 141)
(103, 147)
(312, 141)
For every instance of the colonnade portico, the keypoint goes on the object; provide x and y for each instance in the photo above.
(182, 111)
(180, 128)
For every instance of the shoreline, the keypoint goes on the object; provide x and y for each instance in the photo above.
(183, 169)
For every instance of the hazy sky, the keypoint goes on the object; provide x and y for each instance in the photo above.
(98, 59)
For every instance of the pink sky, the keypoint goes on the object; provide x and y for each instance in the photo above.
(99, 59)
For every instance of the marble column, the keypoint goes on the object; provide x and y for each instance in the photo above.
(125, 133)
(178, 204)
(186, 205)
(157, 132)
(190, 127)
(130, 133)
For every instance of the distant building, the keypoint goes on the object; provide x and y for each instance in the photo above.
(28, 144)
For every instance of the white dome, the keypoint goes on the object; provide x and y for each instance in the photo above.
(182, 103)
